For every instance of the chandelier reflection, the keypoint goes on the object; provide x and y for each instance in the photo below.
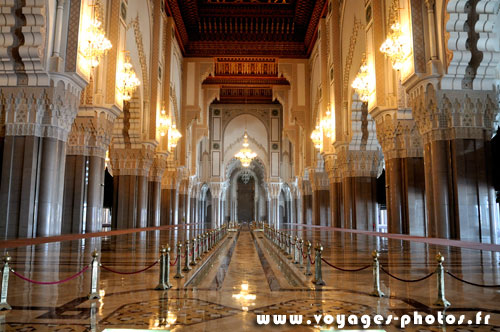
(246, 155)
(95, 44)
(245, 297)
(128, 81)
(363, 83)
(317, 138)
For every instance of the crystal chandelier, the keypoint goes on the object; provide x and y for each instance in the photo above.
(363, 83)
(327, 124)
(128, 81)
(173, 137)
(317, 138)
(96, 45)
(397, 46)
(164, 123)
(246, 155)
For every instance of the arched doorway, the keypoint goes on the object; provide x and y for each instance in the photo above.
(246, 197)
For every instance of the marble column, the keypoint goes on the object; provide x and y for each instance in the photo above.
(154, 210)
(167, 206)
(131, 169)
(405, 185)
(37, 121)
(459, 188)
(216, 190)
(274, 189)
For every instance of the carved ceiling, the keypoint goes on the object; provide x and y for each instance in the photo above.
(277, 28)
(245, 80)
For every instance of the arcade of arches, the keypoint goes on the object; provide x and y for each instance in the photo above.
(125, 116)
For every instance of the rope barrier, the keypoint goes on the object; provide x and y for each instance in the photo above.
(345, 270)
(175, 262)
(406, 280)
(49, 282)
(134, 272)
(470, 283)
(312, 261)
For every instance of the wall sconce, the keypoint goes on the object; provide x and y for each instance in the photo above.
(363, 83)
(397, 47)
(95, 44)
(128, 81)
(317, 138)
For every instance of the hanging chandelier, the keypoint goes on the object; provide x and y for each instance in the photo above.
(164, 123)
(317, 138)
(397, 46)
(95, 45)
(246, 155)
(128, 81)
(327, 124)
(173, 137)
(363, 83)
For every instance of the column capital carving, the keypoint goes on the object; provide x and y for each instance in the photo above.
(158, 167)
(319, 180)
(169, 179)
(332, 168)
(39, 111)
(274, 189)
(398, 134)
(132, 161)
(216, 189)
(91, 132)
(448, 114)
(355, 163)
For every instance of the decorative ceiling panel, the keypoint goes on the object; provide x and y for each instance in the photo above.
(278, 28)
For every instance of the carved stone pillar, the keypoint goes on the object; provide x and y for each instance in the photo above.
(131, 168)
(274, 189)
(216, 189)
(88, 142)
(405, 179)
(168, 185)
(320, 198)
(155, 189)
(306, 203)
(36, 124)
(336, 197)
(456, 127)
(359, 174)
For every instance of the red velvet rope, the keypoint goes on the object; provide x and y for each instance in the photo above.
(175, 262)
(134, 272)
(312, 261)
(49, 282)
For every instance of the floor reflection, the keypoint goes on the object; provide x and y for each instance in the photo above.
(246, 279)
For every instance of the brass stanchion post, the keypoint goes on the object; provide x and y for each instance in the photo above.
(291, 247)
(296, 251)
(308, 259)
(301, 258)
(5, 283)
(193, 257)
(441, 300)
(94, 277)
(186, 261)
(318, 275)
(376, 275)
(164, 269)
(179, 275)
(205, 238)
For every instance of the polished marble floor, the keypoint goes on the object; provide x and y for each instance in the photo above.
(244, 276)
